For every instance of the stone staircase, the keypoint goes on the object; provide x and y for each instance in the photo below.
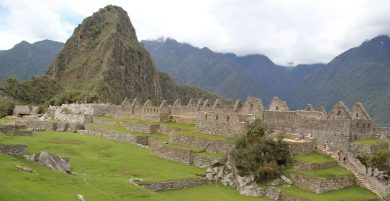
(360, 178)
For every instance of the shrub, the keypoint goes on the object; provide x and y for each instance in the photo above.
(380, 160)
(6, 107)
(258, 154)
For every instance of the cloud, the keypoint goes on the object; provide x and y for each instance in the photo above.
(301, 31)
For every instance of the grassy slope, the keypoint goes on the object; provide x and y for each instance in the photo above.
(105, 168)
(312, 158)
(351, 194)
(209, 192)
(369, 141)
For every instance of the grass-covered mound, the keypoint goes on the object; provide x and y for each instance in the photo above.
(312, 158)
(351, 194)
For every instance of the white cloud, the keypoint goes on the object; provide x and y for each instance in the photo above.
(302, 31)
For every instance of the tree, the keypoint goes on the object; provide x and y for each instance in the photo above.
(259, 154)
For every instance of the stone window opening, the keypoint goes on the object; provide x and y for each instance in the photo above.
(205, 117)
(357, 114)
(216, 117)
(368, 125)
(277, 108)
(227, 118)
(339, 112)
(251, 106)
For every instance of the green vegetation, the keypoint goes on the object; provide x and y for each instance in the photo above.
(312, 158)
(102, 168)
(36, 90)
(208, 192)
(260, 155)
(25, 60)
(351, 194)
(325, 173)
(6, 107)
(380, 160)
(371, 141)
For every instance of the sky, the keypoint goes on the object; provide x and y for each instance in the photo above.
(287, 31)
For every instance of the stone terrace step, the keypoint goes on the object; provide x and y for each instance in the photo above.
(184, 154)
(360, 178)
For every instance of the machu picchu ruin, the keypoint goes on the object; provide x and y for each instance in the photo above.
(109, 114)
(201, 133)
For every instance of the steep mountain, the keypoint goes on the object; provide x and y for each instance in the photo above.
(229, 75)
(25, 60)
(359, 74)
(103, 60)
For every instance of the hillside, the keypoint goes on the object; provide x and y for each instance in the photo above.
(25, 60)
(228, 75)
(359, 74)
(104, 61)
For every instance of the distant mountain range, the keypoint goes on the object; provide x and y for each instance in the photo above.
(359, 74)
(25, 59)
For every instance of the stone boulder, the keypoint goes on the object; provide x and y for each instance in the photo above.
(286, 180)
(52, 161)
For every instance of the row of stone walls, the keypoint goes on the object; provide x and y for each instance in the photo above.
(169, 185)
(285, 121)
(211, 146)
(224, 124)
(143, 128)
(184, 119)
(313, 166)
(361, 129)
(178, 155)
(13, 129)
(188, 157)
(13, 149)
(103, 133)
(302, 147)
(363, 149)
(38, 125)
(322, 185)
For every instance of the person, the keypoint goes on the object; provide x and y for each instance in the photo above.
(326, 146)
(302, 136)
(345, 160)
(339, 155)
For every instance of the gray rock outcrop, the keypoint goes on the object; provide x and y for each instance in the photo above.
(52, 161)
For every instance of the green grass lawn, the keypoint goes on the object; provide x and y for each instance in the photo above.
(101, 171)
(371, 141)
(208, 192)
(325, 173)
(312, 158)
(348, 194)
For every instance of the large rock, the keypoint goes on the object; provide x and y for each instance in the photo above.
(52, 161)
(286, 180)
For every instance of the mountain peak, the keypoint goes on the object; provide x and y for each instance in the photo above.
(379, 41)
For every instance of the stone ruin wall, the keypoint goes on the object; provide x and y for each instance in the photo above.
(14, 149)
(338, 127)
(230, 124)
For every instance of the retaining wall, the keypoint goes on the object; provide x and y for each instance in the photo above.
(322, 185)
(169, 185)
(14, 149)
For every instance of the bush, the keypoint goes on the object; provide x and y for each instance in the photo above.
(6, 107)
(380, 160)
(258, 154)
